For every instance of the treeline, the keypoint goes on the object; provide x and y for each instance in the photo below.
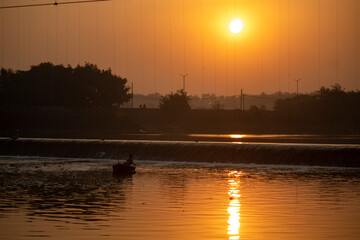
(212, 101)
(328, 106)
(56, 85)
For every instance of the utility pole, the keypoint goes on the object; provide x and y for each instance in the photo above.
(297, 85)
(132, 95)
(241, 100)
(184, 76)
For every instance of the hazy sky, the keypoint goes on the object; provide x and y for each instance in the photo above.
(153, 42)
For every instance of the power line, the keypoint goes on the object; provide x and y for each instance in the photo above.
(184, 33)
(97, 34)
(142, 45)
(235, 60)
(337, 42)
(170, 39)
(155, 63)
(18, 39)
(113, 29)
(67, 34)
(227, 59)
(288, 45)
(79, 28)
(357, 46)
(56, 36)
(319, 43)
(29, 40)
(3, 39)
(262, 45)
(49, 4)
(126, 40)
(215, 40)
(202, 49)
(47, 33)
(280, 34)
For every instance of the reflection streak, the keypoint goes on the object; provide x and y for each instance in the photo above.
(237, 136)
(234, 205)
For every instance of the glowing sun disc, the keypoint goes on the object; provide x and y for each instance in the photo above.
(236, 26)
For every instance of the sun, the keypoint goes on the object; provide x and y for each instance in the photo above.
(236, 26)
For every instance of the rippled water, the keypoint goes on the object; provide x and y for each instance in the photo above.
(80, 199)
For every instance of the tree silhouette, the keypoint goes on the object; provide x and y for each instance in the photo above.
(328, 106)
(55, 85)
(173, 105)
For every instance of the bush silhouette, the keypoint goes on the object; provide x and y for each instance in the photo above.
(174, 105)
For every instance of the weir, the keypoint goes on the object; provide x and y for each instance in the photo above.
(257, 153)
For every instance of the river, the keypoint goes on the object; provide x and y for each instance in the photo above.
(55, 198)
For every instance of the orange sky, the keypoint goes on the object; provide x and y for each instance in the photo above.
(153, 42)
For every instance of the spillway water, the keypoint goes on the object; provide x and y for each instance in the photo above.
(267, 153)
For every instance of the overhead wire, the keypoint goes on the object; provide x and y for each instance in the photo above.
(49, 4)
(29, 37)
(337, 42)
(155, 52)
(215, 43)
(126, 33)
(184, 34)
(114, 37)
(97, 34)
(202, 51)
(170, 42)
(3, 38)
(67, 34)
(47, 33)
(319, 43)
(235, 58)
(18, 38)
(142, 45)
(279, 57)
(262, 45)
(227, 59)
(357, 44)
(79, 36)
(288, 45)
(56, 35)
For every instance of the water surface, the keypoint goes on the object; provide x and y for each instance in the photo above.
(80, 199)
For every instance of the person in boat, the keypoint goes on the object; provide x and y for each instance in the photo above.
(129, 161)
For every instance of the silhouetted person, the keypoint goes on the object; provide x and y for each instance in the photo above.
(129, 161)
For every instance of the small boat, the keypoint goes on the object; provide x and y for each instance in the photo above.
(123, 168)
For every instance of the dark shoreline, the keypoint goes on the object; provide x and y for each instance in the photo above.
(123, 123)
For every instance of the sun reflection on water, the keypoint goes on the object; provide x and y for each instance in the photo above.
(237, 135)
(234, 205)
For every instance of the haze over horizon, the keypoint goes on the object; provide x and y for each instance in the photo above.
(152, 43)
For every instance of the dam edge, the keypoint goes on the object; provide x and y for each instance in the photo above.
(327, 155)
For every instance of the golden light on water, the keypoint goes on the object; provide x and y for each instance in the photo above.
(234, 205)
(237, 135)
